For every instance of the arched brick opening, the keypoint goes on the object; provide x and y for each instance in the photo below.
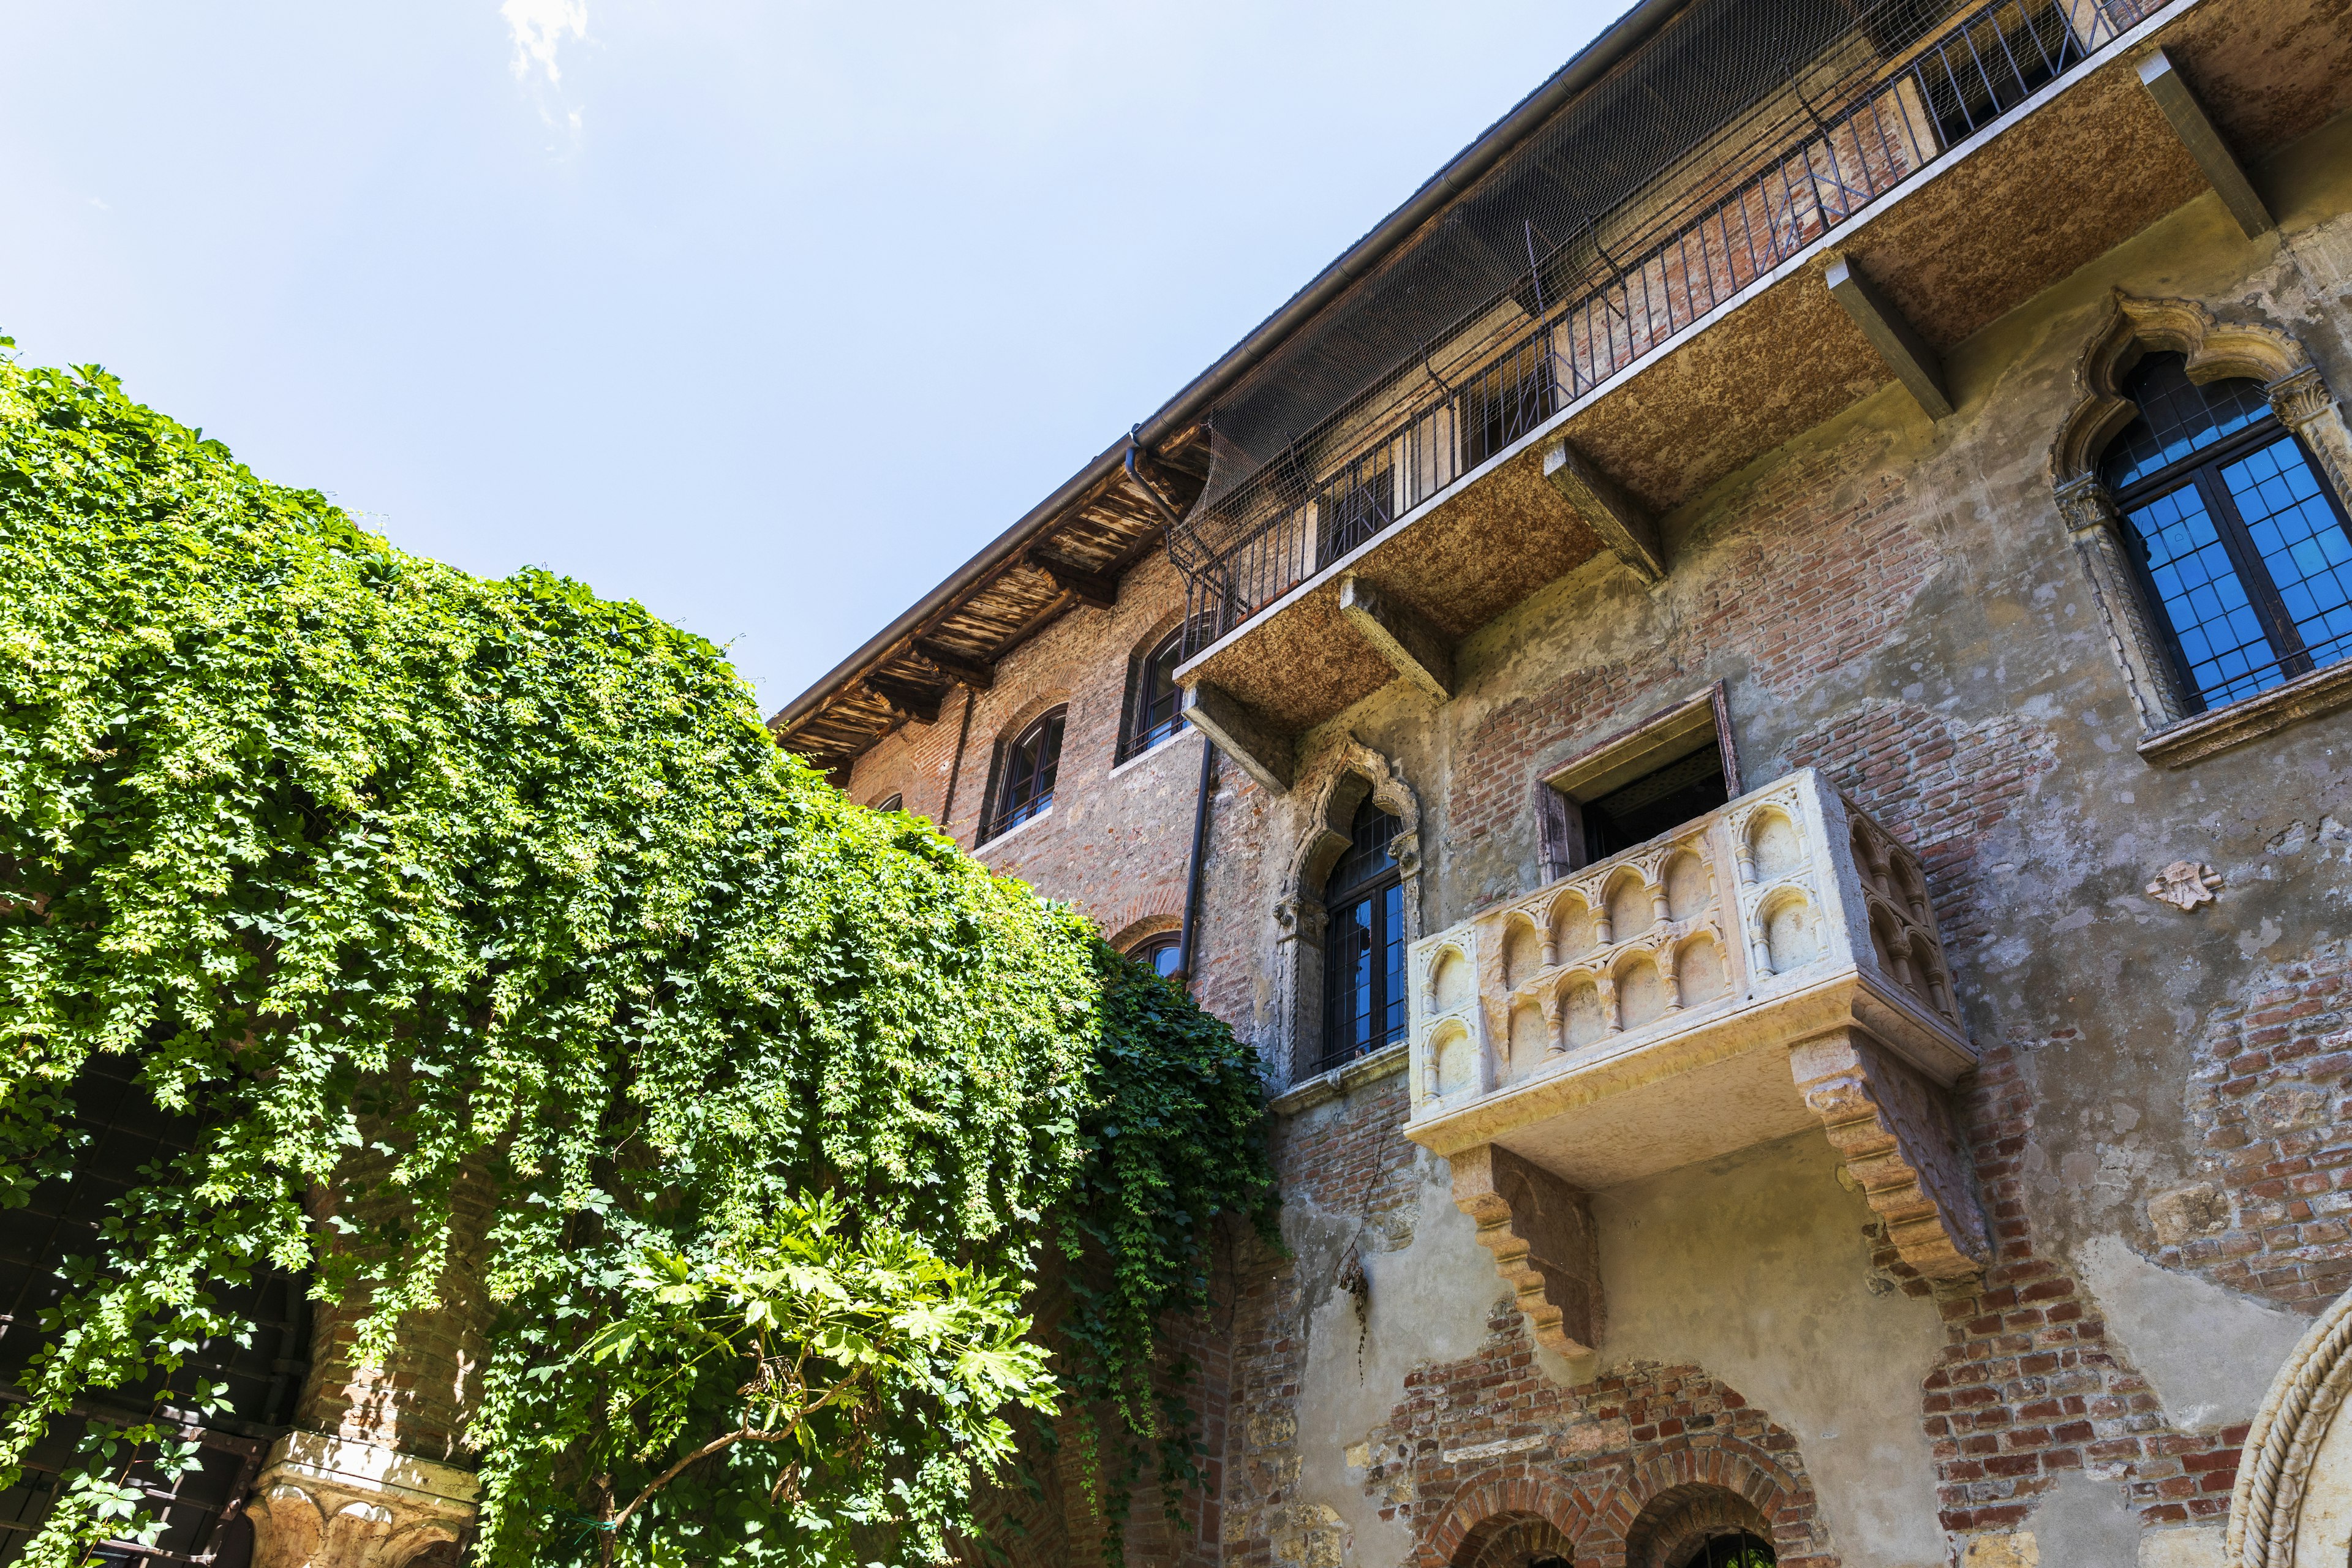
(1507, 1518)
(1514, 1540)
(1678, 1476)
(1673, 1525)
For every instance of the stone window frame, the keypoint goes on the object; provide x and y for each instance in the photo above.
(2170, 735)
(1338, 784)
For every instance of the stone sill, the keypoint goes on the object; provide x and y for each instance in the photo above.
(981, 851)
(1342, 1081)
(2312, 696)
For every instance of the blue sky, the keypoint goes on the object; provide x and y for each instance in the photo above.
(765, 315)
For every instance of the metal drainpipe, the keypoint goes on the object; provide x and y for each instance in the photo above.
(1189, 931)
(1192, 864)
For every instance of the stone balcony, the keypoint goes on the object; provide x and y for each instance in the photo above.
(1772, 967)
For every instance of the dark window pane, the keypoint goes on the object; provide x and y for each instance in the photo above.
(893, 802)
(1358, 502)
(1369, 836)
(2301, 542)
(2178, 417)
(2223, 646)
(1655, 803)
(1391, 1019)
(1505, 401)
(1363, 949)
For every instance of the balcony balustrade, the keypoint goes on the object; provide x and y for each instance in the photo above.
(1771, 967)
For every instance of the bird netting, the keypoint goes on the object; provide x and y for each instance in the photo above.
(1719, 147)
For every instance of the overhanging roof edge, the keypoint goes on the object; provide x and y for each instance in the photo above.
(1458, 174)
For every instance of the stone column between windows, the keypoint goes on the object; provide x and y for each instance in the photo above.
(2304, 405)
(2096, 530)
(372, 1476)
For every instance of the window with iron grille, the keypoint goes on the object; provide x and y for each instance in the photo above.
(200, 1509)
(1735, 1549)
(1363, 946)
(1024, 786)
(2238, 541)
(1503, 402)
(1354, 505)
(891, 803)
(1155, 703)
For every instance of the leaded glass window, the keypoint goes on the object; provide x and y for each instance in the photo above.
(2238, 542)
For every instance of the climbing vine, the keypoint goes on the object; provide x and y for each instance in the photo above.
(404, 885)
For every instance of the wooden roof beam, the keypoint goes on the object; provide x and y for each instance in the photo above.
(1083, 583)
(906, 699)
(979, 675)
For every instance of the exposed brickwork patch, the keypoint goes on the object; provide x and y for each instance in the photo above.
(1944, 788)
(2028, 1387)
(2270, 1096)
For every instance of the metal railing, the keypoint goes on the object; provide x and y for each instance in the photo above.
(1351, 479)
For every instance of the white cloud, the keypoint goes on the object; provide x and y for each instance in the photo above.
(539, 26)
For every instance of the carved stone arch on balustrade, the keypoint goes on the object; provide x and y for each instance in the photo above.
(1641, 987)
(1451, 1062)
(1711, 1486)
(1328, 794)
(1788, 933)
(1523, 944)
(1702, 969)
(1584, 1010)
(1771, 842)
(1571, 925)
(1506, 1518)
(1626, 898)
(2130, 329)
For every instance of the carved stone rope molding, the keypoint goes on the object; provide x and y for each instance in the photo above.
(2274, 1470)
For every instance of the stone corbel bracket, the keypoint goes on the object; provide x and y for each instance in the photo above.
(1540, 1231)
(1893, 1130)
(331, 1502)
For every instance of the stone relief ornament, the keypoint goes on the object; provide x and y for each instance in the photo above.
(2185, 884)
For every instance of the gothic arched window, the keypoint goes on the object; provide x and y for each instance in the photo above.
(2239, 543)
(1363, 950)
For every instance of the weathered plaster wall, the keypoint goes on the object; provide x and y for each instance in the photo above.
(1758, 1266)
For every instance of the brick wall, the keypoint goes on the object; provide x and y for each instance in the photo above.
(2272, 1103)
(1812, 566)
(1943, 786)
(1117, 838)
(1487, 1436)
(2028, 1387)
(421, 1396)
